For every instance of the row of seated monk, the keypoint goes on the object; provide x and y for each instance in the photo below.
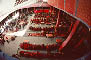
(35, 34)
(50, 47)
(48, 34)
(45, 15)
(41, 29)
(41, 10)
(43, 34)
(52, 33)
(39, 55)
(44, 11)
(36, 16)
(43, 21)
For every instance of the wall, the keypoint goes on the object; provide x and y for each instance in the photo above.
(70, 6)
(79, 8)
(84, 11)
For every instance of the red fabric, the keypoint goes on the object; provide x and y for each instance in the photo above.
(39, 55)
(58, 40)
(27, 46)
(7, 38)
(39, 11)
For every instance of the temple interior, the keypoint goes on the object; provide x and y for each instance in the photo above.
(43, 32)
